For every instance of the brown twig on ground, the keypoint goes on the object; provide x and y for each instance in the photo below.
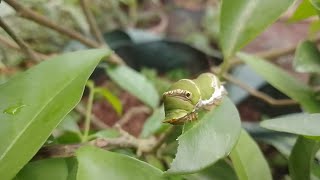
(131, 112)
(94, 29)
(258, 94)
(24, 47)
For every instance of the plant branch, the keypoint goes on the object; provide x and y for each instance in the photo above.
(94, 29)
(124, 141)
(274, 53)
(87, 121)
(23, 46)
(11, 44)
(44, 21)
(94, 119)
(131, 112)
(260, 95)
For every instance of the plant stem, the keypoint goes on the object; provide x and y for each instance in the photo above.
(87, 122)
(224, 67)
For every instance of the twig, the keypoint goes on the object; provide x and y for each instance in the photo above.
(44, 21)
(91, 21)
(124, 141)
(11, 44)
(274, 53)
(131, 112)
(94, 119)
(258, 94)
(24, 47)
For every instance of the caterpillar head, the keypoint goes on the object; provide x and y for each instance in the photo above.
(180, 101)
(185, 97)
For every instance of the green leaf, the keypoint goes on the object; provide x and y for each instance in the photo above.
(315, 4)
(34, 102)
(242, 20)
(135, 83)
(307, 58)
(248, 161)
(302, 157)
(301, 124)
(219, 171)
(69, 123)
(304, 10)
(112, 99)
(154, 123)
(283, 82)
(48, 169)
(97, 164)
(210, 140)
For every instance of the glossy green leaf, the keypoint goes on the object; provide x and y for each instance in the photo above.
(283, 82)
(248, 161)
(48, 169)
(283, 142)
(302, 157)
(95, 163)
(210, 140)
(301, 124)
(154, 123)
(34, 102)
(304, 10)
(69, 123)
(219, 171)
(242, 20)
(135, 83)
(307, 58)
(112, 99)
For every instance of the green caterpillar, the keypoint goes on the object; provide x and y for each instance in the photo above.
(185, 97)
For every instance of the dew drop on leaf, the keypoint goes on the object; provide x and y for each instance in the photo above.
(13, 110)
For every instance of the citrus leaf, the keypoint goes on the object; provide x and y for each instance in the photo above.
(307, 58)
(49, 169)
(301, 124)
(283, 82)
(248, 161)
(112, 99)
(95, 163)
(242, 20)
(34, 102)
(210, 140)
(302, 157)
(135, 83)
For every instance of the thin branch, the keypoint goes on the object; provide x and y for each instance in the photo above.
(24, 47)
(272, 54)
(44, 21)
(260, 95)
(124, 141)
(131, 112)
(80, 108)
(11, 44)
(8, 43)
(91, 21)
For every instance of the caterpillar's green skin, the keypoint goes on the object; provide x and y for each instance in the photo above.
(185, 97)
